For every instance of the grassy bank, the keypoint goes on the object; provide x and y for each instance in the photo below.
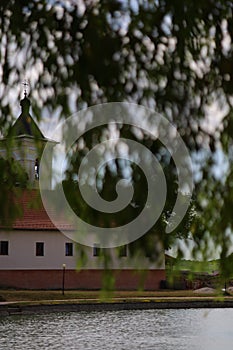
(38, 296)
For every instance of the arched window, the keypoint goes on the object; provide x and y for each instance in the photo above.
(37, 166)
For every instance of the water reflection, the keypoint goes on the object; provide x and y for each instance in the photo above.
(142, 329)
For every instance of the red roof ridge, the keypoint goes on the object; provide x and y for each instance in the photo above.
(34, 215)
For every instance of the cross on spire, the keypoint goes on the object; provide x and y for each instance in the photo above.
(25, 84)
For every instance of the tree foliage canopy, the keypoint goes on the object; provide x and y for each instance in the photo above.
(172, 56)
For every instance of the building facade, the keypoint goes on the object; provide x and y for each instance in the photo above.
(34, 254)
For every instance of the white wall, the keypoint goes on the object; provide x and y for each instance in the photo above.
(22, 250)
(22, 253)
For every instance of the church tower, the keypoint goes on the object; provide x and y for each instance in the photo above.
(25, 143)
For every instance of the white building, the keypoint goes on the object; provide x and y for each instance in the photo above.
(34, 253)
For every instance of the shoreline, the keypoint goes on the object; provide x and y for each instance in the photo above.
(29, 308)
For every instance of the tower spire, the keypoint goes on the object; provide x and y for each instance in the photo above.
(25, 84)
(25, 102)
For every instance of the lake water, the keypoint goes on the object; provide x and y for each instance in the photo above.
(207, 329)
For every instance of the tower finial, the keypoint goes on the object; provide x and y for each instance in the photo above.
(25, 102)
(25, 84)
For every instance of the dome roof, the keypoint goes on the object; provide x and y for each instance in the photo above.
(25, 125)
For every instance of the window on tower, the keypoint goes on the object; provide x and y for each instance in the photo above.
(37, 166)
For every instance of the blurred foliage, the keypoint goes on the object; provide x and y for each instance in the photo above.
(172, 56)
(13, 179)
(106, 181)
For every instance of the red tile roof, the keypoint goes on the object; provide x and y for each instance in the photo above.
(34, 216)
